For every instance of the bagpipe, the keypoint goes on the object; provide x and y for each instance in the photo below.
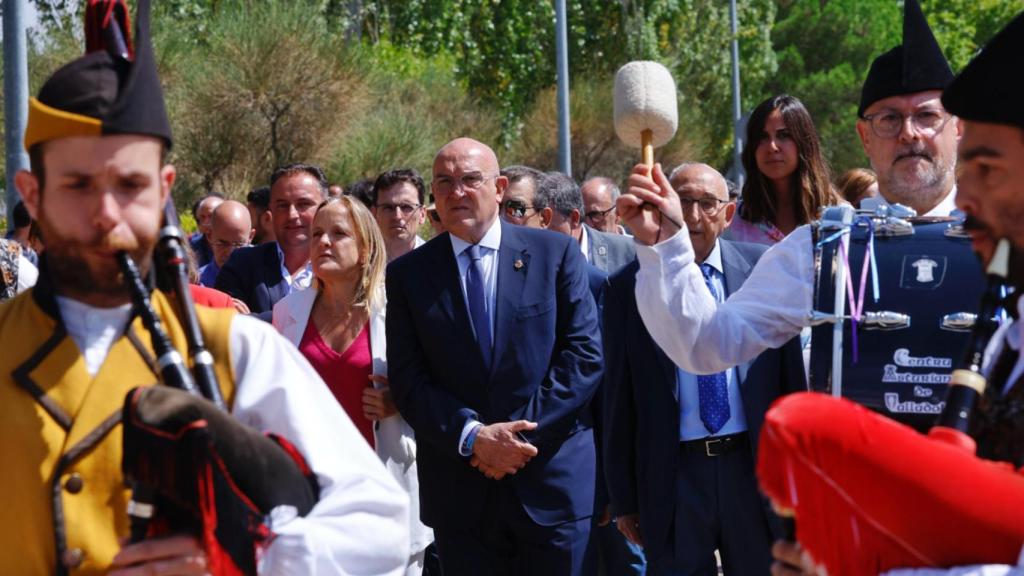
(869, 494)
(193, 468)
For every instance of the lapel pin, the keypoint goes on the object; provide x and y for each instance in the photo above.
(518, 264)
(602, 250)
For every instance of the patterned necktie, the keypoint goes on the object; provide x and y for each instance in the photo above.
(477, 297)
(712, 389)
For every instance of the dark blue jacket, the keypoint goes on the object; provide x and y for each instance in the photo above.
(641, 407)
(546, 367)
(253, 275)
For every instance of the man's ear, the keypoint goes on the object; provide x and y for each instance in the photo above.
(28, 187)
(167, 176)
(545, 217)
(730, 211)
(574, 219)
(864, 131)
(252, 234)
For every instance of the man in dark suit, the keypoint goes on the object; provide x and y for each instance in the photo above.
(261, 275)
(678, 447)
(493, 353)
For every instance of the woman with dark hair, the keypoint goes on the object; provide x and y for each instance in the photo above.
(787, 177)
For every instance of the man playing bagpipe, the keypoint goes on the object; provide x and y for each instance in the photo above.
(870, 495)
(78, 413)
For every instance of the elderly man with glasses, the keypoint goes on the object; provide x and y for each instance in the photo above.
(599, 196)
(397, 197)
(230, 229)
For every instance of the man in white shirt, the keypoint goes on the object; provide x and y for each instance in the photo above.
(398, 197)
(911, 141)
(74, 347)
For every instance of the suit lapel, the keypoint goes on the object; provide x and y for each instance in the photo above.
(513, 270)
(736, 268)
(274, 280)
(598, 252)
(445, 277)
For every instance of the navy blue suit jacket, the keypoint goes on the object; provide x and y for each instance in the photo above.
(641, 406)
(547, 365)
(253, 275)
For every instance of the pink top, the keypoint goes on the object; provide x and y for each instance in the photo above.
(759, 233)
(346, 374)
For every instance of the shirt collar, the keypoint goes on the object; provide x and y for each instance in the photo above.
(585, 242)
(491, 239)
(944, 208)
(714, 259)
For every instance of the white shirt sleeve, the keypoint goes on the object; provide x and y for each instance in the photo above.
(704, 337)
(360, 525)
(28, 274)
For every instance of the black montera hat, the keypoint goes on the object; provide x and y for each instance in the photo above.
(988, 90)
(915, 66)
(103, 93)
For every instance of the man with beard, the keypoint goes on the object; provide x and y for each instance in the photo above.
(398, 197)
(991, 191)
(74, 347)
(911, 139)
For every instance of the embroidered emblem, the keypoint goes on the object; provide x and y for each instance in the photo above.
(518, 264)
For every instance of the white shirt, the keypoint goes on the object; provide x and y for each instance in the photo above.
(944, 208)
(360, 524)
(302, 279)
(1009, 334)
(691, 426)
(489, 245)
(28, 274)
(585, 243)
(704, 337)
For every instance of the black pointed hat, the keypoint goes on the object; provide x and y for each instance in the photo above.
(987, 90)
(916, 65)
(106, 91)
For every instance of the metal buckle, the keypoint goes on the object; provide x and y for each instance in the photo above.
(712, 442)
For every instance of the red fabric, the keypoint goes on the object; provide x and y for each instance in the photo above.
(346, 374)
(210, 298)
(872, 495)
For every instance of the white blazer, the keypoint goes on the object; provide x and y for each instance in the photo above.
(393, 437)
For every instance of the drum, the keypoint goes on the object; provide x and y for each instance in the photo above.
(929, 286)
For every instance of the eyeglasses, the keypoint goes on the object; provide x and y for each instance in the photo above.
(596, 215)
(708, 206)
(434, 215)
(399, 208)
(471, 181)
(889, 123)
(516, 208)
(225, 245)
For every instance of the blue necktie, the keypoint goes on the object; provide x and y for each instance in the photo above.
(712, 389)
(477, 297)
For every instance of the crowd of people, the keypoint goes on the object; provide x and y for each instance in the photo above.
(499, 371)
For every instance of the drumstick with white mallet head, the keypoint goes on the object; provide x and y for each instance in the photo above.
(646, 110)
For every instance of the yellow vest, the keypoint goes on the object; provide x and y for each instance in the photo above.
(64, 499)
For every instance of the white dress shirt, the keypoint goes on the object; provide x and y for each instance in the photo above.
(691, 426)
(944, 208)
(360, 524)
(585, 243)
(703, 336)
(301, 280)
(28, 274)
(489, 246)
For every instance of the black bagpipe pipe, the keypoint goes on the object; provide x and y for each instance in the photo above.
(868, 494)
(192, 466)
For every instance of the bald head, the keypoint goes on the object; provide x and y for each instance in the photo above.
(467, 188)
(706, 206)
(230, 228)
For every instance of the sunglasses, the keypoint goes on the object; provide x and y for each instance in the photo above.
(516, 208)
(434, 215)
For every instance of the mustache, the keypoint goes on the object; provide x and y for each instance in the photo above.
(972, 223)
(914, 151)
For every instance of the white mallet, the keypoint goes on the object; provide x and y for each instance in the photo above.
(646, 112)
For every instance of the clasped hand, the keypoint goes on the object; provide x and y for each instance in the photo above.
(499, 451)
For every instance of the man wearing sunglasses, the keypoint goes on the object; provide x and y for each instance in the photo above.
(397, 197)
(519, 205)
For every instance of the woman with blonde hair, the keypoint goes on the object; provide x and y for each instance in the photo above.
(338, 325)
(787, 177)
